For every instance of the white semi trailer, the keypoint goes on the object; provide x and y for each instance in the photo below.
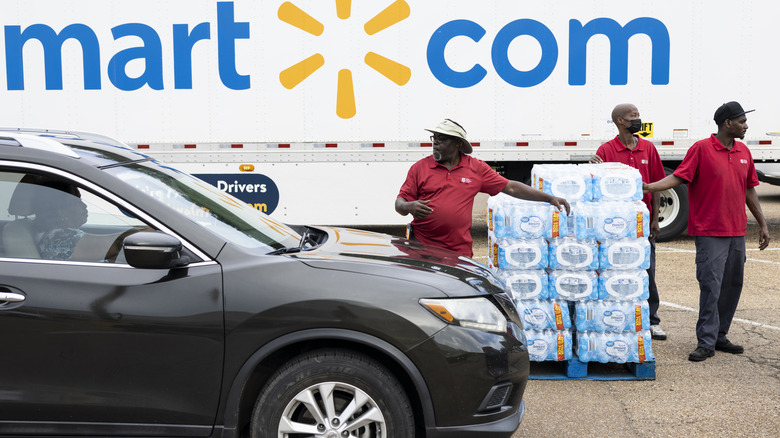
(314, 110)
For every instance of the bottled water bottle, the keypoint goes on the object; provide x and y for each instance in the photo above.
(614, 347)
(563, 180)
(544, 314)
(584, 214)
(632, 284)
(549, 345)
(526, 285)
(574, 285)
(521, 254)
(499, 216)
(612, 316)
(574, 254)
(625, 253)
(616, 182)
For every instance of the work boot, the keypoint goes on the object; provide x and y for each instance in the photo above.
(727, 346)
(700, 354)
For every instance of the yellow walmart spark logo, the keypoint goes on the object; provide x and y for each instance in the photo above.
(345, 96)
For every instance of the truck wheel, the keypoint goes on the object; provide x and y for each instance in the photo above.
(673, 215)
(332, 393)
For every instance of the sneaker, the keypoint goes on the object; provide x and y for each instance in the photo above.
(700, 354)
(657, 333)
(729, 347)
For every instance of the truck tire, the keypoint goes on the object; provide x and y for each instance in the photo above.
(326, 393)
(673, 214)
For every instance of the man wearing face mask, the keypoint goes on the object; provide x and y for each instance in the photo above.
(439, 190)
(628, 148)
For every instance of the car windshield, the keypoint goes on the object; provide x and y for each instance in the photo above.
(217, 212)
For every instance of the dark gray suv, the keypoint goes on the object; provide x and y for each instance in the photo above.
(136, 300)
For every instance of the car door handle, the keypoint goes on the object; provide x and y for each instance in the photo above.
(11, 297)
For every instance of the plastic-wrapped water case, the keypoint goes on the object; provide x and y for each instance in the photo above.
(563, 180)
(616, 183)
(614, 347)
(574, 285)
(612, 316)
(521, 254)
(544, 314)
(618, 220)
(632, 284)
(527, 285)
(537, 219)
(549, 345)
(624, 254)
(575, 254)
(518, 219)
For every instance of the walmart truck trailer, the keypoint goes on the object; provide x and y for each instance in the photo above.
(313, 111)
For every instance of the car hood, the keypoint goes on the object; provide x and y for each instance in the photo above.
(390, 256)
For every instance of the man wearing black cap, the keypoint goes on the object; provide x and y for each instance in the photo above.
(439, 190)
(721, 179)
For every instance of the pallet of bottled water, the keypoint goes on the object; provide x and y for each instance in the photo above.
(580, 280)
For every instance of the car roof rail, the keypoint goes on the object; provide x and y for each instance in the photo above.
(37, 142)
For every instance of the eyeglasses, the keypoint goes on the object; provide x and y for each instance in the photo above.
(440, 139)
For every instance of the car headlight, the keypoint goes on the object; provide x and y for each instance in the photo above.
(478, 313)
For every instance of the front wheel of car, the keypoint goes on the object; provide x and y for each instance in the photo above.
(332, 393)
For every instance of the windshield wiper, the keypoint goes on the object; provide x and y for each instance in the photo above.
(290, 250)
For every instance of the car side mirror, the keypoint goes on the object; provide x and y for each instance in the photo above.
(154, 250)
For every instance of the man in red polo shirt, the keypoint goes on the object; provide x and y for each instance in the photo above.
(439, 190)
(628, 148)
(721, 179)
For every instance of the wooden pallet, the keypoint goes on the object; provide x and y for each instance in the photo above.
(576, 370)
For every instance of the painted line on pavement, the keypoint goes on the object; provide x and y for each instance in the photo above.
(744, 321)
(693, 251)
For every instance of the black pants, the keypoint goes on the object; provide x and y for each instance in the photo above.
(654, 300)
(720, 268)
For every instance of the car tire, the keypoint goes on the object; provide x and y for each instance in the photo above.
(673, 215)
(302, 398)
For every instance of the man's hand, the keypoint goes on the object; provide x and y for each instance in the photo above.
(596, 159)
(419, 208)
(561, 204)
(763, 238)
(655, 230)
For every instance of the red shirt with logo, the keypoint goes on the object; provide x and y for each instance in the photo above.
(644, 157)
(718, 179)
(451, 193)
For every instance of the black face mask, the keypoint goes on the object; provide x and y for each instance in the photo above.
(636, 126)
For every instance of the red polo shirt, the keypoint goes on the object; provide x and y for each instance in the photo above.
(644, 158)
(718, 179)
(451, 193)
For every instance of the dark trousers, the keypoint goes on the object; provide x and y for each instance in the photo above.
(720, 268)
(654, 299)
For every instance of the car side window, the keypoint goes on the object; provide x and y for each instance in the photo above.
(48, 217)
